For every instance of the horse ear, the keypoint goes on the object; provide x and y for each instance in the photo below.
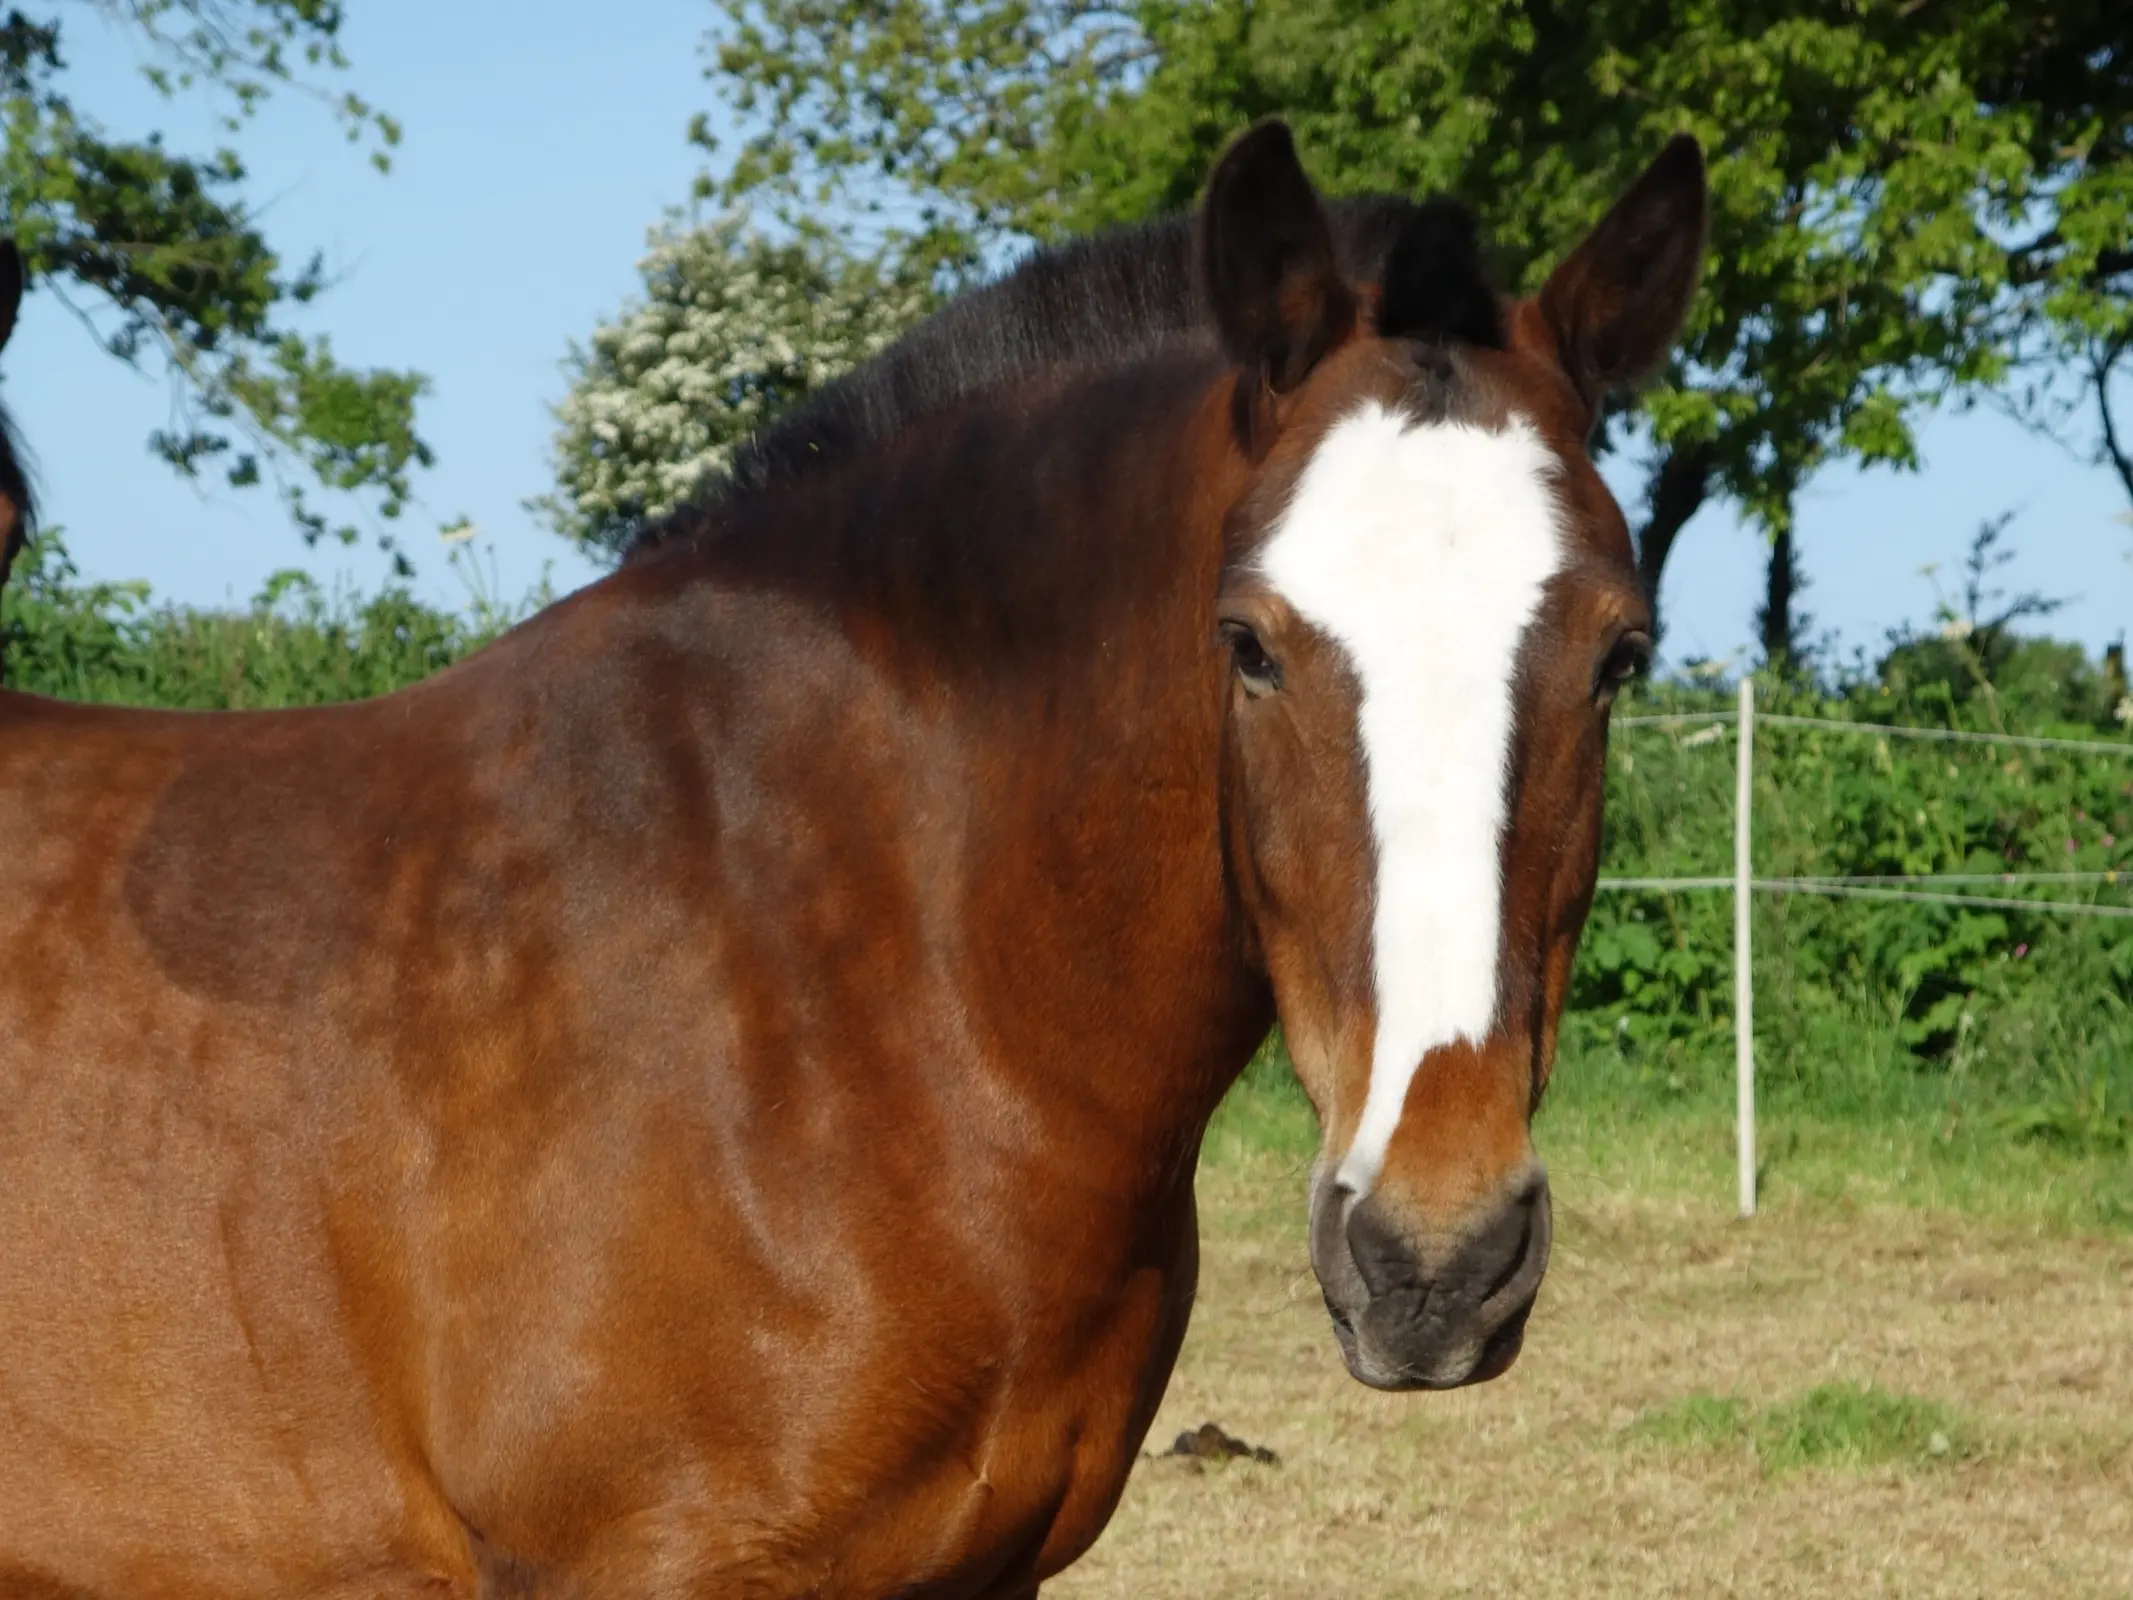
(1615, 307)
(11, 276)
(1267, 262)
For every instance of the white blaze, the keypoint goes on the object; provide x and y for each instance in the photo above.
(1422, 551)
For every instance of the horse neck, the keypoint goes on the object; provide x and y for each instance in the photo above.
(1004, 634)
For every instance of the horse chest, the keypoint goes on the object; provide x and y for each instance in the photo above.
(1037, 1481)
(987, 1486)
(969, 1458)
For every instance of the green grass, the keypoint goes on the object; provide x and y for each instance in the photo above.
(1812, 1160)
(1896, 1141)
(1863, 1126)
(1265, 1113)
(1834, 1425)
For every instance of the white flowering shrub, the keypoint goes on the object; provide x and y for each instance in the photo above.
(733, 328)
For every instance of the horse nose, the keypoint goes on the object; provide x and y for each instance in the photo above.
(1385, 1258)
(1460, 1318)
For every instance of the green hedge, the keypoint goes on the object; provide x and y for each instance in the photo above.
(1861, 1003)
(296, 644)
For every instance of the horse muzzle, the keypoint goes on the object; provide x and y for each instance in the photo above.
(1416, 1309)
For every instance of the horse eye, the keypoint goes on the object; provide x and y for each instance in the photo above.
(1258, 670)
(1629, 656)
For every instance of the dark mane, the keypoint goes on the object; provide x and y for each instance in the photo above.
(15, 491)
(15, 531)
(954, 542)
(1087, 305)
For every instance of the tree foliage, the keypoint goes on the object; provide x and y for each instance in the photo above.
(733, 328)
(1907, 194)
(159, 254)
(2070, 262)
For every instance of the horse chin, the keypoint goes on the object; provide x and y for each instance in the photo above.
(1497, 1355)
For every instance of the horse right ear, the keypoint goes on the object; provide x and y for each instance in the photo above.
(1614, 308)
(1267, 262)
(11, 276)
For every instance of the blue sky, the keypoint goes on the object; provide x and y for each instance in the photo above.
(543, 139)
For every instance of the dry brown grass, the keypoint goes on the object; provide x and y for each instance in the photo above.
(1532, 1486)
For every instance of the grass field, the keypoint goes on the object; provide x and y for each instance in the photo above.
(1911, 1375)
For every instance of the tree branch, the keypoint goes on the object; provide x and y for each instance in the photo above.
(1679, 488)
(2113, 451)
(2027, 264)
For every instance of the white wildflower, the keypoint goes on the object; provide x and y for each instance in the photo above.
(733, 329)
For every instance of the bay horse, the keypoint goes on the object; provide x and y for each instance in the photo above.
(702, 1097)
(18, 512)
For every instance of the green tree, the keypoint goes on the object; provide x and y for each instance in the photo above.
(732, 329)
(2070, 261)
(1906, 196)
(170, 263)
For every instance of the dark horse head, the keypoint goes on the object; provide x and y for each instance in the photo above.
(17, 513)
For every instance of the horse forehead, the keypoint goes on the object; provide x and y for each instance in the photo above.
(1421, 544)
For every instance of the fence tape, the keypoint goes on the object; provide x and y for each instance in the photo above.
(1863, 889)
(1887, 729)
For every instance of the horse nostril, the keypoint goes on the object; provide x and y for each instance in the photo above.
(1383, 1258)
(1522, 1226)
(1515, 1262)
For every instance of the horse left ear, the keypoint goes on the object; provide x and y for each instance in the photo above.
(1267, 261)
(11, 279)
(1615, 307)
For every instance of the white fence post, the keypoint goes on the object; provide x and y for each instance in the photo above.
(1743, 986)
(1872, 886)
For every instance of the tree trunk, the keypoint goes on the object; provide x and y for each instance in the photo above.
(2112, 453)
(1679, 488)
(1780, 626)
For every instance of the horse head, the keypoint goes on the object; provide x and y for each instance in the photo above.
(1429, 604)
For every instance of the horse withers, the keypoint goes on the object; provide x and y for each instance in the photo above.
(702, 1097)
